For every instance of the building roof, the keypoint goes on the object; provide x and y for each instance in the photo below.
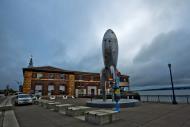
(59, 70)
(43, 68)
(55, 69)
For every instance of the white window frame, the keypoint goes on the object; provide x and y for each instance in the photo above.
(39, 75)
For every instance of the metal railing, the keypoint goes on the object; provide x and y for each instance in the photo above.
(165, 98)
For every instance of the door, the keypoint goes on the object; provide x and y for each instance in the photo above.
(91, 90)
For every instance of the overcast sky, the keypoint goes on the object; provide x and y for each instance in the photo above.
(68, 34)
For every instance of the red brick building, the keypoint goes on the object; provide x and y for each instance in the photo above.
(47, 80)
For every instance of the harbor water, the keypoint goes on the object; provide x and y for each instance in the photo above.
(182, 96)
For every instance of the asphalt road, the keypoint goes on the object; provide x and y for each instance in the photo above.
(146, 115)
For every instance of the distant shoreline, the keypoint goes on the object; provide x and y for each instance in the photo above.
(168, 88)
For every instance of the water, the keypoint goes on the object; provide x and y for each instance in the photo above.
(165, 92)
(182, 96)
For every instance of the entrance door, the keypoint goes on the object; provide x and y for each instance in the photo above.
(91, 90)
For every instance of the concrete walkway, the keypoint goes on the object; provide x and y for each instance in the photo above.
(7, 115)
(146, 115)
(10, 119)
(157, 115)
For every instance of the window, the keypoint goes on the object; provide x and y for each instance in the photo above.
(39, 75)
(62, 88)
(38, 87)
(123, 79)
(80, 77)
(34, 75)
(81, 91)
(62, 76)
(50, 89)
(51, 76)
(38, 90)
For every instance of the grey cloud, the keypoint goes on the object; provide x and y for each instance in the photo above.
(11, 62)
(81, 57)
(150, 65)
(68, 34)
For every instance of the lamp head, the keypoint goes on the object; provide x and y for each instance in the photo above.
(169, 65)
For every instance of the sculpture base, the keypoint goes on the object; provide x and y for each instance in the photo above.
(124, 103)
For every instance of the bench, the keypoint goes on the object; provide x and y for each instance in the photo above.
(61, 108)
(101, 116)
(77, 111)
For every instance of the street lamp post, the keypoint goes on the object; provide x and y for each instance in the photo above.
(174, 98)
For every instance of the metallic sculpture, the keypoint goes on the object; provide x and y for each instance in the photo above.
(110, 74)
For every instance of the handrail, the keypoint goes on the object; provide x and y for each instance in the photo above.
(165, 98)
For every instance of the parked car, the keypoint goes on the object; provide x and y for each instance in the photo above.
(34, 97)
(23, 99)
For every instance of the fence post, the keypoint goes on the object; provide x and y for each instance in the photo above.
(171, 98)
(187, 99)
(158, 99)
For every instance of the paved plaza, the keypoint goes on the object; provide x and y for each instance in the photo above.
(145, 115)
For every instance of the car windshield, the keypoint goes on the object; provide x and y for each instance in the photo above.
(23, 96)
